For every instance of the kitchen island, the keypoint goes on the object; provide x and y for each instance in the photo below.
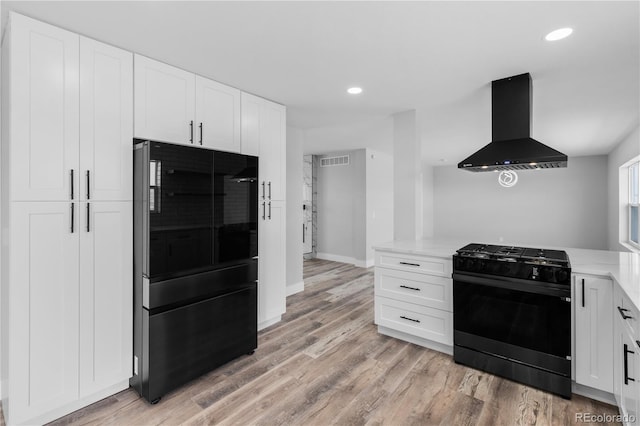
(414, 302)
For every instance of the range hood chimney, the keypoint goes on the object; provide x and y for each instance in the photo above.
(512, 147)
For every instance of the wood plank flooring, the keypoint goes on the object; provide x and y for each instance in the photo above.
(326, 364)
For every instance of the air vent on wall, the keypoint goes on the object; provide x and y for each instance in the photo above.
(342, 160)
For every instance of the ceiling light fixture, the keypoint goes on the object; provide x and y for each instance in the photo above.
(354, 90)
(558, 34)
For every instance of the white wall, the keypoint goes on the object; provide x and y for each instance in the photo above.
(341, 195)
(407, 177)
(295, 282)
(627, 149)
(379, 211)
(561, 207)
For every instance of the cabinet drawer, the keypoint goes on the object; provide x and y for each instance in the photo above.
(406, 262)
(421, 321)
(427, 290)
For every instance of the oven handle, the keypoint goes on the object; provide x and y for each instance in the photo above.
(515, 284)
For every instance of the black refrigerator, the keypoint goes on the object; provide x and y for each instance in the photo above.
(195, 263)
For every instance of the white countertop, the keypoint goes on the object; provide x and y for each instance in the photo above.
(622, 267)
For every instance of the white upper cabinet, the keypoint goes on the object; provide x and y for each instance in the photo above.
(106, 122)
(264, 134)
(251, 124)
(273, 149)
(173, 105)
(217, 115)
(164, 98)
(43, 125)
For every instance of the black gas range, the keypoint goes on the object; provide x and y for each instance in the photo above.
(512, 313)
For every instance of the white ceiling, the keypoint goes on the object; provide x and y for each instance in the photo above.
(436, 57)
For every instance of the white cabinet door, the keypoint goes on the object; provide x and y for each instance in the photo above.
(43, 93)
(273, 149)
(106, 289)
(106, 121)
(594, 332)
(164, 102)
(630, 391)
(250, 124)
(217, 115)
(43, 308)
(272, 263)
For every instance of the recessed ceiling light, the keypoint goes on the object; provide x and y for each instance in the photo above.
(558, 34)
(354, 90)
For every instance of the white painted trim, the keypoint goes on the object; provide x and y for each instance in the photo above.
(295, 288)
(430, 344)
(264, 324)
(592, 393)
(364, 263)
(81, 403)
(345, 259)
(335, 258)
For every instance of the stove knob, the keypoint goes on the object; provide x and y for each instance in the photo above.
(547, 274)
(562, 276)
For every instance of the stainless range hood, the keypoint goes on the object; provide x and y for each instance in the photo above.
(512, 147)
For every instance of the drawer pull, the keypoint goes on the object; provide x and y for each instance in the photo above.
(409, 288)
(409, 264)
(409, 319)
(622, 313)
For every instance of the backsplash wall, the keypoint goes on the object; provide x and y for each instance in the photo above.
(558, 207)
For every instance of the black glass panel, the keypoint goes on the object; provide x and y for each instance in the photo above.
(528, 320)
(235, 218)
(202, 209)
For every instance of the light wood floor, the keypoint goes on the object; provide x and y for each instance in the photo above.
(325, 364)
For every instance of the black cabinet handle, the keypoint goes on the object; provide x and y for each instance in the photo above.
(622, 313)
(200, 133)
(638, 343)
(88, 185)
(410, 264)
(72, 184)
(269, 210)
(72, 214)
(191, 131)
(264, 211)
(409, 288)
(303, 232)
(583, 292)
(269, 189)
(88, 215)
(263, 190)
(627, 379)
(409, 319)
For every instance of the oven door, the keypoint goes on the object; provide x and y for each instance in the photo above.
(528, 322)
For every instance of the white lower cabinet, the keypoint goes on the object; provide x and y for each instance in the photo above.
(414, 298)
(106, 265)
(40, 309)
(66, 296)
(272, 262)
(626, 357)
(593, 332)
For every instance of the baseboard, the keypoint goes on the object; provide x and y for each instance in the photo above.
(592, 393)
(364, 263)
(345, 259)
(295, 288)
(269, 322)
(76, 405)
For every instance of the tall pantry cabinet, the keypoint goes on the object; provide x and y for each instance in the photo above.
(264, 135)
(66, 221)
